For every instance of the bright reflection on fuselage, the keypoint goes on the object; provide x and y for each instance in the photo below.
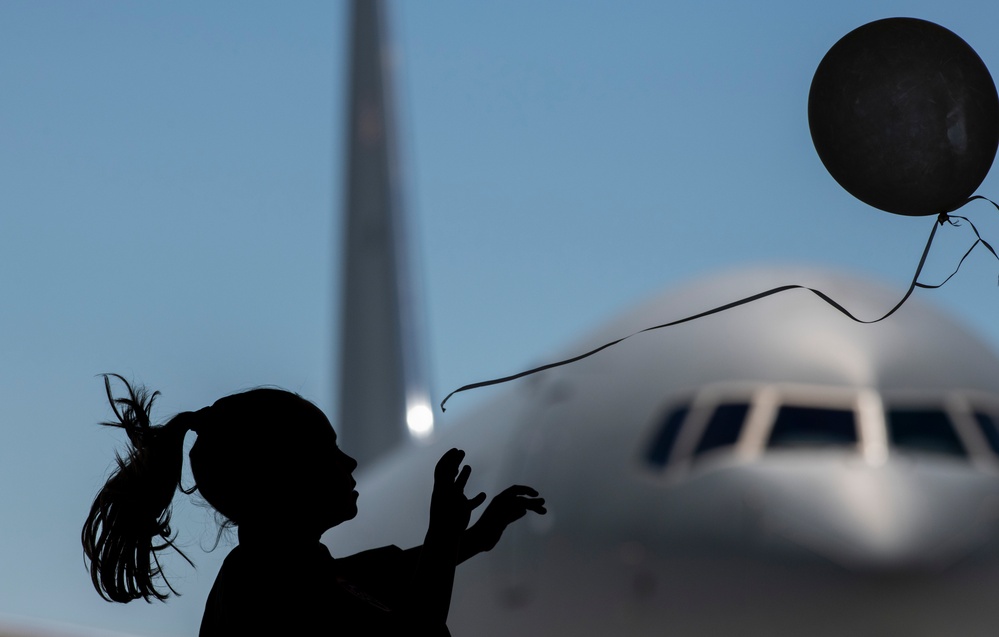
(420, 420)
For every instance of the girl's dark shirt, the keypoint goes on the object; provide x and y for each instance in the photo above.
(304, 591)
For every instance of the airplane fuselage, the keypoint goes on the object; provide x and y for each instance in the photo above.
(753, 475)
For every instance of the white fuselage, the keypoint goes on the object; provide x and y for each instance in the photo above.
(852, 489)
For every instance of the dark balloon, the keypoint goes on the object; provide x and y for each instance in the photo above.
(904, 115)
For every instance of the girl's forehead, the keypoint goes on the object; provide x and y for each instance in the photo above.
(313, 420)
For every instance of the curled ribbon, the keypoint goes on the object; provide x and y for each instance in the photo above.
(944, 217)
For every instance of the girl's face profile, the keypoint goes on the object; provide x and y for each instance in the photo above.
(343, 496)
(328, 480)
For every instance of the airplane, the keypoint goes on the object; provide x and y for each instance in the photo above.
(650, 529)
(776, 469)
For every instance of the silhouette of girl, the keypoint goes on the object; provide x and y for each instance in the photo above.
(268, 462)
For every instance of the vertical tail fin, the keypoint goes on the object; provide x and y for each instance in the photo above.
(384, 395)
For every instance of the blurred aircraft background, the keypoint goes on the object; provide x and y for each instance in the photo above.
(169, 173)
(772, 470)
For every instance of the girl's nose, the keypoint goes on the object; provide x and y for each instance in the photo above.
(349, 462)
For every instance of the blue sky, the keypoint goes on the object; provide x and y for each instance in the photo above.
(170, 176)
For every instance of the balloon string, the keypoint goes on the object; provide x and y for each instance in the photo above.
(913, 284)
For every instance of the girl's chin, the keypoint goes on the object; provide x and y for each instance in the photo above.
(349, 512)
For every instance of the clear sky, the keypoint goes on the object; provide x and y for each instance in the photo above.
(170, 175)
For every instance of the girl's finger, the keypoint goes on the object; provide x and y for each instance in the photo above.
(463, 477)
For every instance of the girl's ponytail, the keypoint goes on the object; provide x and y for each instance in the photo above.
(129, 522)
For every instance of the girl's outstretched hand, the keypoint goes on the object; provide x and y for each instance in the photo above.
(510, 505)
(450, 510)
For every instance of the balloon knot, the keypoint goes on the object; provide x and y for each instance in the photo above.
(943, 218)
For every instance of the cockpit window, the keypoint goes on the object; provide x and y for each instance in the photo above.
(989, 429)
(813, 427)
(724, 427)
(923, 431)
(661, 447)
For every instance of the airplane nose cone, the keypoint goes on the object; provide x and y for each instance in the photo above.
(908, 514)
